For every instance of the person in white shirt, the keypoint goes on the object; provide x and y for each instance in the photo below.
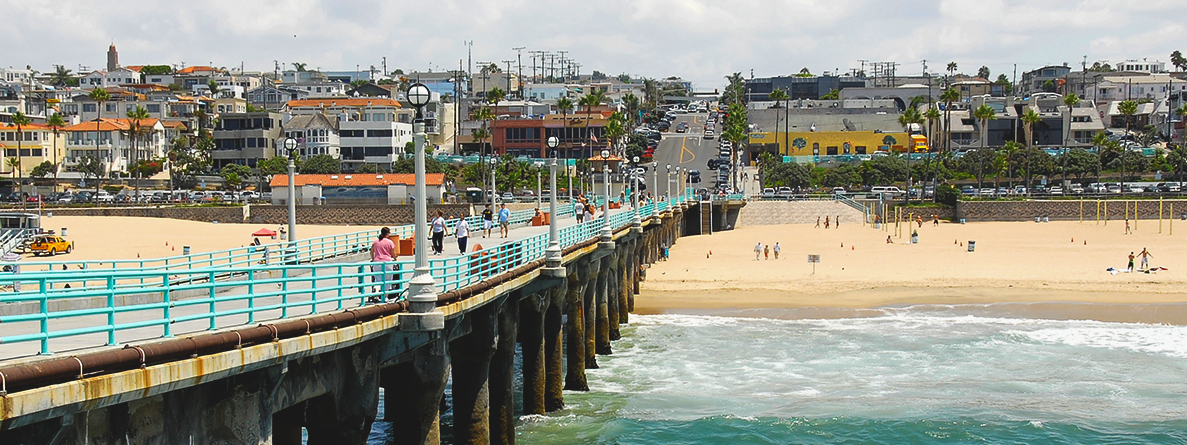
(579, 211)
(463, 234)
(438, 233)
(776, 250)
(757, 251)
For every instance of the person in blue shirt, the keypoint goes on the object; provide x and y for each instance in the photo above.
(504, 220)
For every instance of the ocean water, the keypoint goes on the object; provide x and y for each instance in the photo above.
(919, 375)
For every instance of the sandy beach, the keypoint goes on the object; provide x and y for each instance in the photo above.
(1014, 262)
(115, 237)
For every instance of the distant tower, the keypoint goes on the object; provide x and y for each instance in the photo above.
(113, 58)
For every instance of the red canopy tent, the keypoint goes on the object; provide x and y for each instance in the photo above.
(264, 232)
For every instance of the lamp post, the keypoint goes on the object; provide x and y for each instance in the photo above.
(552, 255)
(668, 184)
(654, 185)
(494, 191)
(539, 181)
(290, 145)
(607, 231)
(636, 181)
(422, 288)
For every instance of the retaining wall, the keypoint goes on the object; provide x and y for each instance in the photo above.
(1065, 210)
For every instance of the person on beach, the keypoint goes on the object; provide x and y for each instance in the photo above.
(888, 240)
(817, 222)
(919, 221)
(504, 220)
(826, 222)
(766, 252)
(1145, 255)
(462, 230)
(439, 233)
(776, 250)
(935, 219)
(487, 221)
(757, 251)
(1130, 267)
(1127, 231)
(579, 211)
(382, 251)
(837, 221)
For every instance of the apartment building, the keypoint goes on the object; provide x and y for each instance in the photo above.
(110, 141)
(246, 138)
(36, 144)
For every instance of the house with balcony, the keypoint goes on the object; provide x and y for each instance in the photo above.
(110, 141)
(35, 144)
(112, 78)
(1033, 81)
(274, 97)
(316, 134)
(246, 138)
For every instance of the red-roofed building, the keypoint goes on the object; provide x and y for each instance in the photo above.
(109, 140)
(357, 188)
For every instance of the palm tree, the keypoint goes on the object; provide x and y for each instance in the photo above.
(1071, 100)
(486, 115)
(61, 76)
(1127, 108)
(779, 96)
(20, 121)
(137, 131)
(1011, 149)
(493, 97)
(564, 105)
(933, 118)
(983, 113)
(1030, 118)
(590, 100)
(1099, 140)
(55, 124)
(909, 117)
(615, 130)
(948, 96)
(98, 95)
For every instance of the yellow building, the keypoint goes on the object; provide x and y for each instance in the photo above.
(37, 143)
(829, 143)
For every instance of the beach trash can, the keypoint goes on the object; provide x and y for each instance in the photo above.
(915, 238)
(64, 231)
(1046, 219)
(962, 220)
(972, 245)
(10, 259)
(185, 250)
(1038, 219)
(877, 225)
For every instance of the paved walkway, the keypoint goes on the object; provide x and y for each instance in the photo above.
(338, 286)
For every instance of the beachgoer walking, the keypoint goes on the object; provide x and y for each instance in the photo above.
(826, 222)
(935, 219)
(487, 221)
(757, 251)
(462, 230)
(1127, 231)
(919, 221)
(776, 250)
(504, 220)
(579, 211)
(1130, 267)
(383, 252)
(817, 222)
(1145, 255)
(837, 221)
(438, 234)
(766, 252)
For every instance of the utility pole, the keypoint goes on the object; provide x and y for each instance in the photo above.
(469, 65)
(507, 74)
(519, 63)
(564, 77)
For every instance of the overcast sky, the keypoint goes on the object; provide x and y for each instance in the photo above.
(699, 40)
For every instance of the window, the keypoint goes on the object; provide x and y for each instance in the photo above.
(251, 143)
(89, 108)
(109, 107)
(815, 149)
(153, 108)
(860, 149)
(522, 135)
(37, 152)
(379, 134)
(351, 133)
(831, 151)
(377, 151)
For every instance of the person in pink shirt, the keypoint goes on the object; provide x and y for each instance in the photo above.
(383, 252)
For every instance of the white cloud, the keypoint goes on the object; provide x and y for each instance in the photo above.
(701, 40)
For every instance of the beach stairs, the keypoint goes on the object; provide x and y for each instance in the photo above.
(12, 240)
(766, 213)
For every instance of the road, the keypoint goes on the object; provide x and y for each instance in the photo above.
(685, 150)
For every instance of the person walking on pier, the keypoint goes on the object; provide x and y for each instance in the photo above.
(579, 211)
(504, 220)
(463, 234)
(382, 252)
(487, 221)
(439, 233)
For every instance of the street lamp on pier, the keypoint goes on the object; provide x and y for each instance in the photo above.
(668, 184)
(552, 255)
(636, 181)
(607, 231)
(422, 288)
(290, 145)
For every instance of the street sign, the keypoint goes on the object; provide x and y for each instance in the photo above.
(813, 259)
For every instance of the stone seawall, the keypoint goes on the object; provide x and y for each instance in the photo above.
(1065, 210)
(268, 214)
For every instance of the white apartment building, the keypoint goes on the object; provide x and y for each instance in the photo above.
(1154, 87)
(370, 130)
(109, 141)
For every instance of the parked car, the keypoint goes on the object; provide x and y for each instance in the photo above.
(839, 191)
(768, 192)
(50, 245)
(968, 190)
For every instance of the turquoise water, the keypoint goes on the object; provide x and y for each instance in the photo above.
(903, 376)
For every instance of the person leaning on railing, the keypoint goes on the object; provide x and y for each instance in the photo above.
(383, 253)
